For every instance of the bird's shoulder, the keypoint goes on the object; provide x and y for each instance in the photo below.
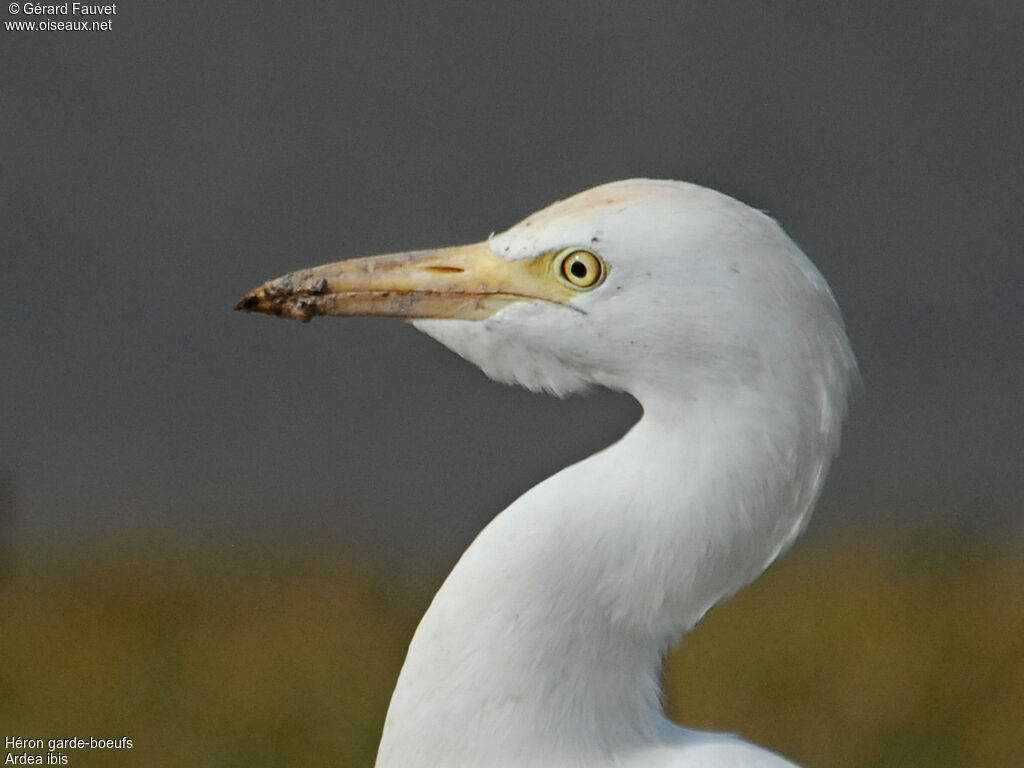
(690, 749)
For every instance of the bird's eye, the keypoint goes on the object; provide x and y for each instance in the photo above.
(581, 268)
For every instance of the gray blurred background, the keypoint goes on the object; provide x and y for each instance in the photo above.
(154, 173)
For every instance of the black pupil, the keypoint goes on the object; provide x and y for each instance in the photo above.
(578, 269)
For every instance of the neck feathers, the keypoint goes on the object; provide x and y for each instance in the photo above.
(549, 634)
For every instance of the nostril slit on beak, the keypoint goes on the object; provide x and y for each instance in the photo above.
(444, 269)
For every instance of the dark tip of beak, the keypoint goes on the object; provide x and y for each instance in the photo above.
(249, 302)
(280, 297)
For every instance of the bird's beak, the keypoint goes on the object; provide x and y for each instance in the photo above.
(467, 282)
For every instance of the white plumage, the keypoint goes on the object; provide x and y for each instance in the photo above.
(544, 647)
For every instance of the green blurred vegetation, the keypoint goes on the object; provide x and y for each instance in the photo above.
(868, 654)
(857, 654)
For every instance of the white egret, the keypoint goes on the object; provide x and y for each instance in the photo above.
(545, 645)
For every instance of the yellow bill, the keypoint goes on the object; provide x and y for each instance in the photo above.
(468, 282)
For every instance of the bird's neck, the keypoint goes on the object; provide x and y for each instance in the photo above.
(547, 638)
